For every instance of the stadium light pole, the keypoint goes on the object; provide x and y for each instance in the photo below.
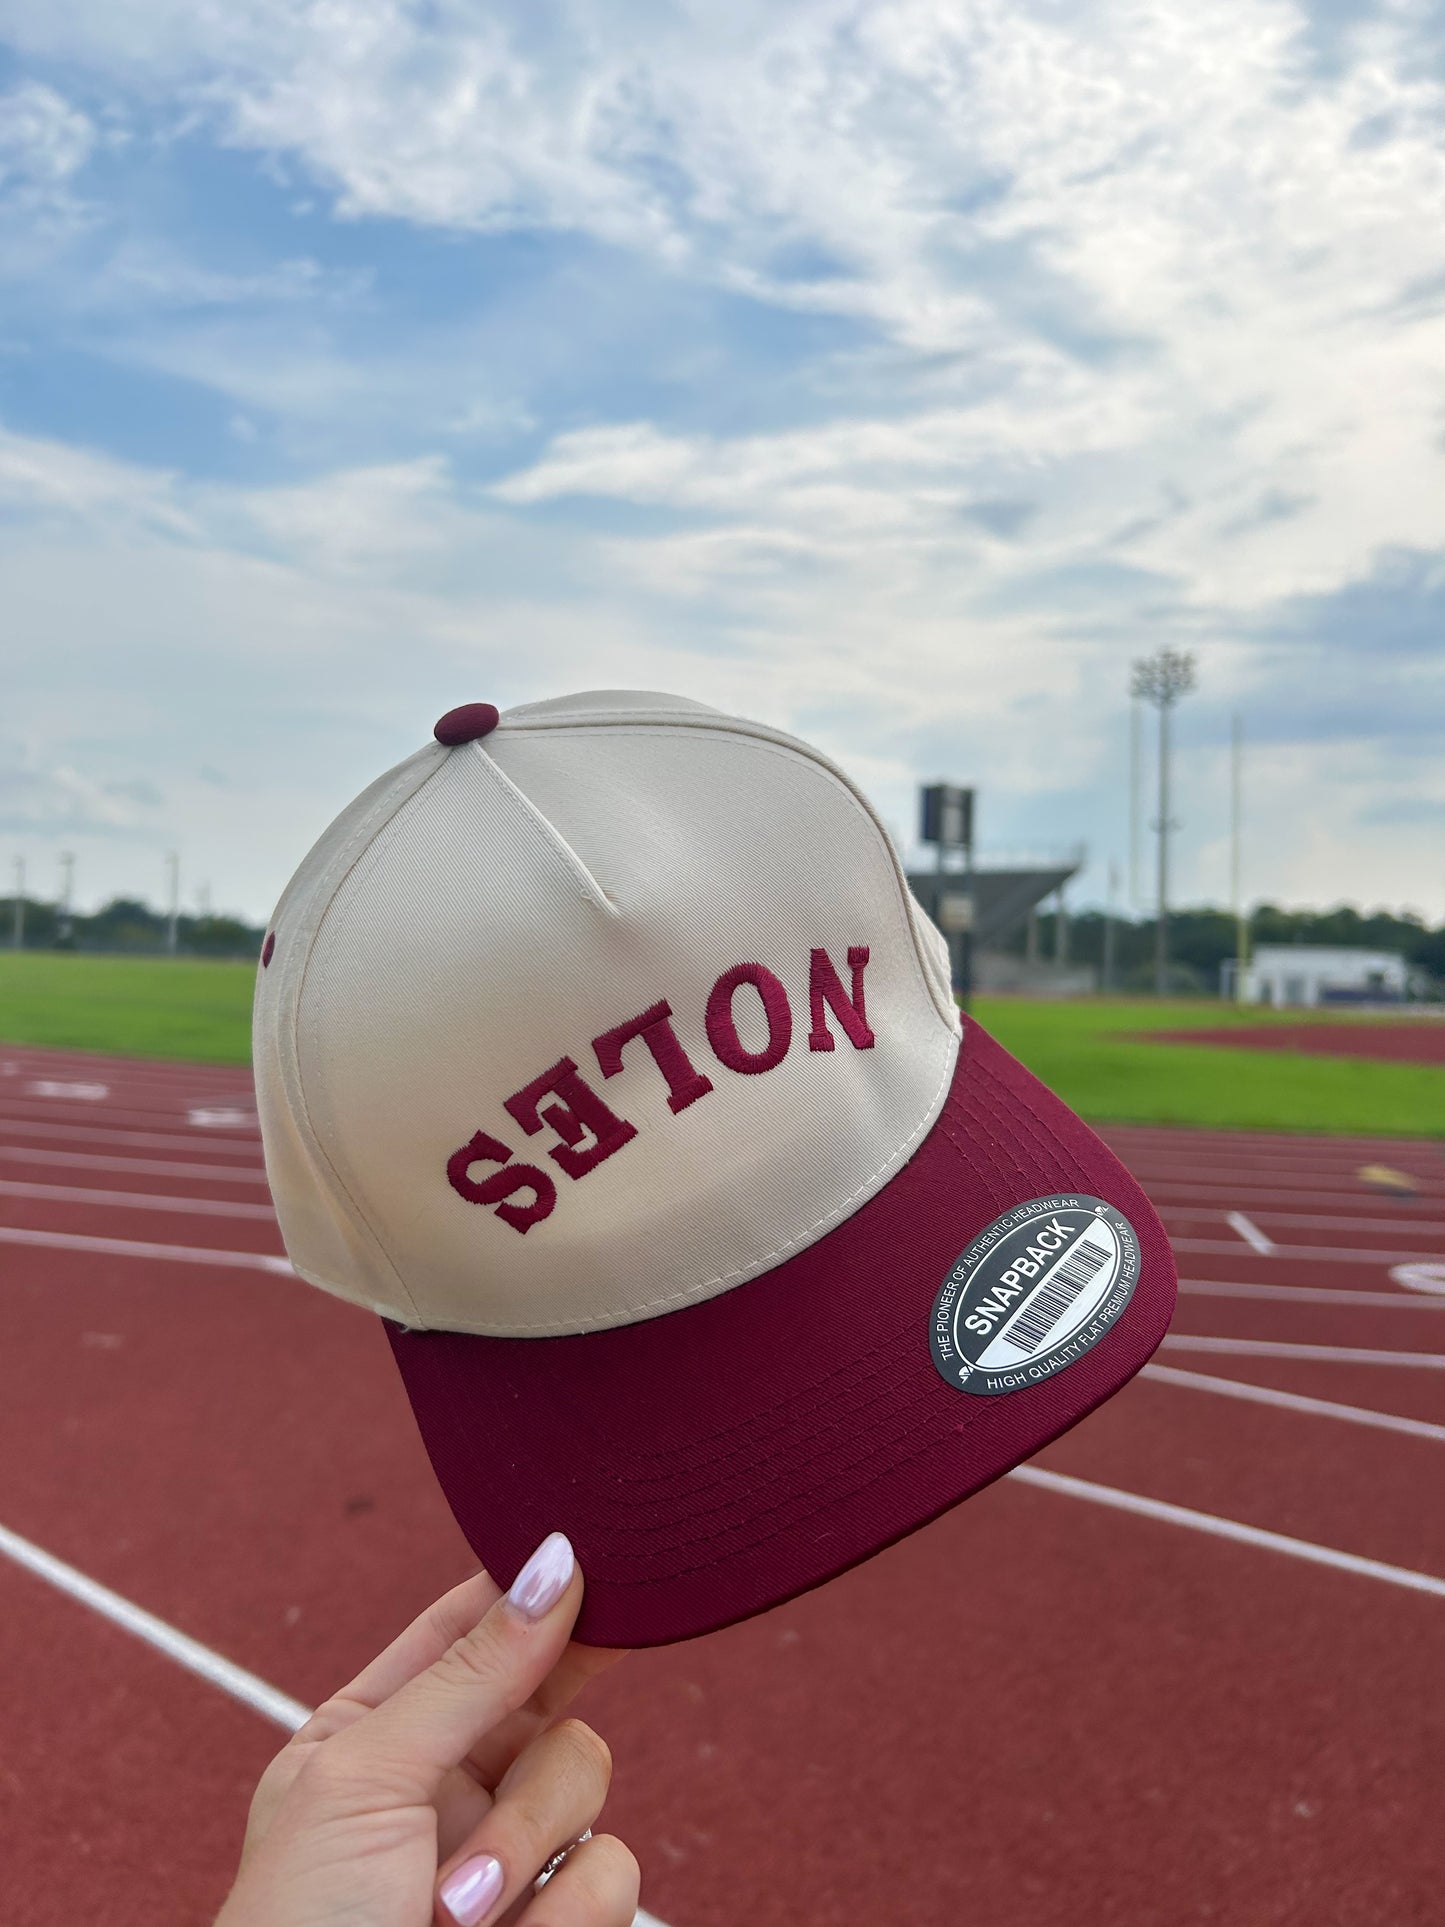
(1135, 761)
(17, 921)
(1163, 679)
(1236, 845)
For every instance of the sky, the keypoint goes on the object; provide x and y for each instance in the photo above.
(893, 372)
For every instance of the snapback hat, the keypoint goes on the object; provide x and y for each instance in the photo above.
(603, 1051)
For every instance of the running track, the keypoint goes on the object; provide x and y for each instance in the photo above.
(1184, 1668)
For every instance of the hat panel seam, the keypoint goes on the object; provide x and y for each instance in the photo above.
(789, 749)
(563, 857)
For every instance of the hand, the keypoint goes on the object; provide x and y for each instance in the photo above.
(436, 1786)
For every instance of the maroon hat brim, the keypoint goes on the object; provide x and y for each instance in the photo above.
(718, 1460)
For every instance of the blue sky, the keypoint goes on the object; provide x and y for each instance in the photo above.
(896, 372)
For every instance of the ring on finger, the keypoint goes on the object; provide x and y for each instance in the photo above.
(557, 1858)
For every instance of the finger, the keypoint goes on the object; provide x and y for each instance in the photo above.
(461, 1799)
(553, 1792)
(495, 1751)
(445, 1621)
(597, 1885)
(406, 1745)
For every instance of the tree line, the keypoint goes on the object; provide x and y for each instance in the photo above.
(1200, 940)
(127, 925)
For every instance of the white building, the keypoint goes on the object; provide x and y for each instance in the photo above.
(1304, 974)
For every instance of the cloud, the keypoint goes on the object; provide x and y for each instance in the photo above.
(41, 478)
(44, 142)
(895, 371)
(60, 800)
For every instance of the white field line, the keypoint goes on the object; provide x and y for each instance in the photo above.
(145, 1167)
(1294, 1402)
(116, 1138)
(179, 1646)
(129, 1248)
(1332, 1354)
(1179, 1515)
(1314, 1254)
(1250, 1232)
(136, 1200)
(1307, 1294)
(263, 1698)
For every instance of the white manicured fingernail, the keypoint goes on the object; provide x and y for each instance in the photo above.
(471, 1890)
(544, 1578)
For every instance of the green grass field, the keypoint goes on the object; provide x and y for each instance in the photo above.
(153, 1007)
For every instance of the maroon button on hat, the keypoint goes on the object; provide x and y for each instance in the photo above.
(466, 724)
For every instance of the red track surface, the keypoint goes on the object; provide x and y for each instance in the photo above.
(1039, 1711)
(1389, 1043)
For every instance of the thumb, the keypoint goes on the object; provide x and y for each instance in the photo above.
(407, 1744)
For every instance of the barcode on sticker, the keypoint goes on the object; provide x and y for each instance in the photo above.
(1032, 1325)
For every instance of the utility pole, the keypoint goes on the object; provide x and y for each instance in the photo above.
(1236, 844)
(173, 864)
(1163, 679)
(1107, 969)
(67, 887)
(17, 924)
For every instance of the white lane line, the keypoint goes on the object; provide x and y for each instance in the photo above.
(1206, 1159)
(1294, 1401)
(123, 1119)
(59, 1087)
(1427, 1227)
(117, 1137)
(263, 1698)
(129, 1248)
(1308, 1294)
(179, 1646)
(1259, 1197)
(1426, 1278)
(1334, 1354)
(1329, 1187)
(1179, 1515)
(144, 1167)
(1314, 1254)
(1250, 1232)
(135, 1200)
